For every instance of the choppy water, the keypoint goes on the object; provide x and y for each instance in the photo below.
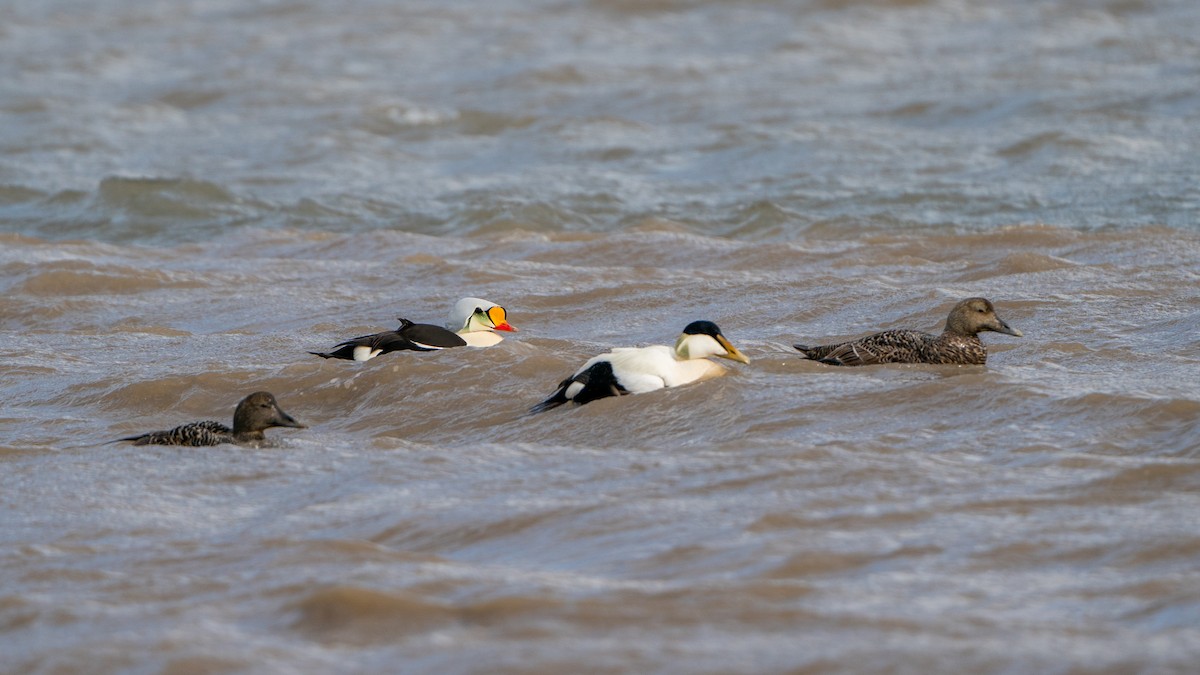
(195, 194)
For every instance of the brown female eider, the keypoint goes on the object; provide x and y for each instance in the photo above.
(959, 343)
(254, 414)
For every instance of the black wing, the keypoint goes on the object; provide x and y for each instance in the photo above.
(428, 337)
(417, 337)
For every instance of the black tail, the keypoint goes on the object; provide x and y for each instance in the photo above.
(558, 398)
(806, 350)
(346, 353)
(140, 439)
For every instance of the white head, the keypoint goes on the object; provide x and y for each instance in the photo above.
(702, 339)
(476, 314)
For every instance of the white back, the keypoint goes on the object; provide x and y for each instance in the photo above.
(642, 369)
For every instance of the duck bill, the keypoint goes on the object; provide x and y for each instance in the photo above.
(283, 419)
(1008, 330)
(732, 353)
(499, 319)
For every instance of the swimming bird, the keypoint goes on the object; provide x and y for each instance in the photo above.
(472, 321)
(420, 337)
(634, 370)
(476, 319)
(958, 344)
(254, 414)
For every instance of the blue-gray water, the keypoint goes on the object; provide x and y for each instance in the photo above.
(194, 194)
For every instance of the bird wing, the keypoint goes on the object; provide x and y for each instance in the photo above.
(429, 337)
(892, 346)
(193, 434)
(849, 354)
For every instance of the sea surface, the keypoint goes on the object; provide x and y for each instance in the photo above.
(194, 194)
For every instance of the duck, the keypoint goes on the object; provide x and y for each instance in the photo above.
(636, 370)
(254, 414)
(475, 320)
(472, 321)
(419, 337)
(958, 344)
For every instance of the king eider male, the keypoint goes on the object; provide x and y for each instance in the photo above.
(471, 317)
(959, 343)
(254, 414)
(634, 370)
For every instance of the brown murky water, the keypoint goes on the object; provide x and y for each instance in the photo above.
(193, 195)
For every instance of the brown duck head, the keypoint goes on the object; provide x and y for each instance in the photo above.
(975, 315)
(260, 411)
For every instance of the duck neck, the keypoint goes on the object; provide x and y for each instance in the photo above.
(245, 436)
(957, 332)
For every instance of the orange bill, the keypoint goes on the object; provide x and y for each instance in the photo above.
(497, 315)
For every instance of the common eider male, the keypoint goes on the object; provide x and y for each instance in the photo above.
(471, 323)
(254, 414)
(959, 343)
(634, 370)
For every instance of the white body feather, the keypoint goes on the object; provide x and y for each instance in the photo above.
(642, 369)
(480, 338)
(365, 353)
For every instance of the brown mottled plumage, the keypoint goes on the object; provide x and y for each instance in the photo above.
(255, 413)
(959, 343)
